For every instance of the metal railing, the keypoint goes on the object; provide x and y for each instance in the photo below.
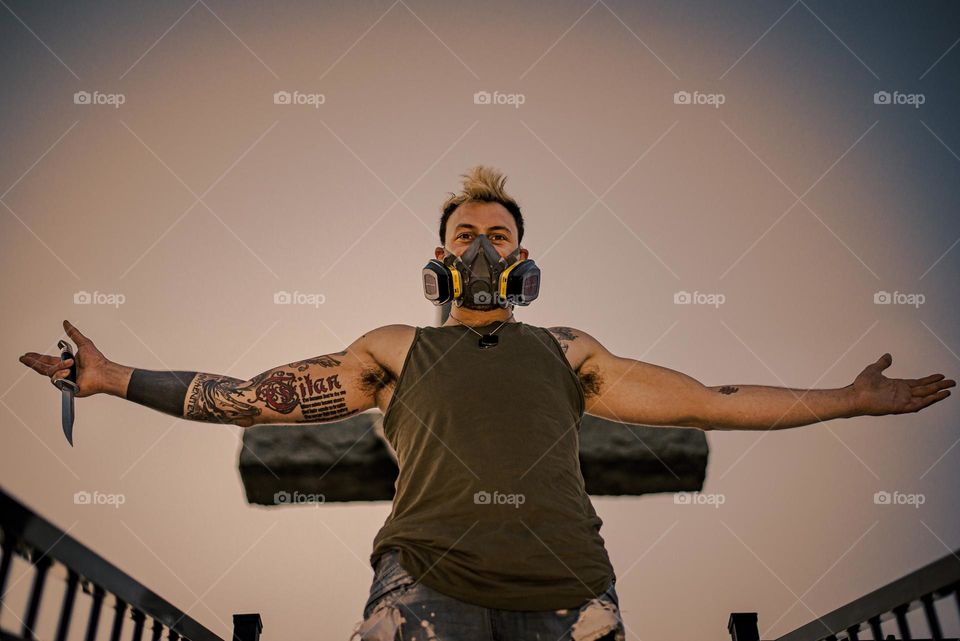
(44, 546)
(920, 589)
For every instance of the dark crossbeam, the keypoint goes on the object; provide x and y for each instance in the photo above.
(349, 460)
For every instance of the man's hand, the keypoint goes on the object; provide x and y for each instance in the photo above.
(877, 395)
(92, 366)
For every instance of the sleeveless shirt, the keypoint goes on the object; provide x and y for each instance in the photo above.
(489, 505)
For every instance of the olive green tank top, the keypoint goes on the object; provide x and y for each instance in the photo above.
(490, 506)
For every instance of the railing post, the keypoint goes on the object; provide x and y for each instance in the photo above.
(139, 618)
(247, 627)
(41, 565)
(66, 609)
(121, 609)
(93, 618)
(6, 549)
(933, 622)
(742, 626)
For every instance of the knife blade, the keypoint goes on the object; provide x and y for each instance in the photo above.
(68, 388)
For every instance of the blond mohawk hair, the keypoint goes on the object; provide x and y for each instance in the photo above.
(481, 184)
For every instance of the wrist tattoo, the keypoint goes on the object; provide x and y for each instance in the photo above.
(728, 389)
(163, 391)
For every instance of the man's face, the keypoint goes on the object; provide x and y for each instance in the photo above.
(470, 219)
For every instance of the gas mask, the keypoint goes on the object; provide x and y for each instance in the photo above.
(481, 279)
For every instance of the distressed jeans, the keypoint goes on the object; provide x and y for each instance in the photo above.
(399, 607)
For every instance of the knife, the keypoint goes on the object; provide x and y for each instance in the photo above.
(68, 388)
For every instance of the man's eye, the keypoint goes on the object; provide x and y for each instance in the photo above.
(494, 237)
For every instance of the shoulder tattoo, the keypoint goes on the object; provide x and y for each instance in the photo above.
(564, 335)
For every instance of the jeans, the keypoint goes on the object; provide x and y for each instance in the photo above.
(399, 607)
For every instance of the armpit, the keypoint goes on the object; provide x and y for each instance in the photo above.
(592, 382)
(375, 378)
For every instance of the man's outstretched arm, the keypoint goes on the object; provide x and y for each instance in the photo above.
(321, 389)
(631, 391)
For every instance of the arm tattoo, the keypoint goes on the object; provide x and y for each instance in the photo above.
(320, 400)
(591, 381)
(326, 360)
(192, 395)
(564, 335)
(215, 398)
(728, 389)
(218, 399)
(162, 391)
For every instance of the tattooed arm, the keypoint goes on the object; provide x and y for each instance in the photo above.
(321, 389)
(631, 391)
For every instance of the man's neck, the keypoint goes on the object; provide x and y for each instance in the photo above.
(475, 317)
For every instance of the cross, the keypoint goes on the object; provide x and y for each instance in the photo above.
(350, 460)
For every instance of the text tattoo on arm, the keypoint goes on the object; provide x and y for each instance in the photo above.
(225, 399)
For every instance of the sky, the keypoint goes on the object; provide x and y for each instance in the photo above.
(789, 167)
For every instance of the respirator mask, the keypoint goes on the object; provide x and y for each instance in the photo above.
(481, 278)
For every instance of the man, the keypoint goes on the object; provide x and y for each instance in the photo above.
(491, 535)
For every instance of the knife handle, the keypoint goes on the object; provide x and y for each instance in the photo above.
(70, 381)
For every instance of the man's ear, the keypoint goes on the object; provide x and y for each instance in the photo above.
(524, 253)
(438, 252)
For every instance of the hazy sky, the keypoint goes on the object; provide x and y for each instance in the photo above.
(811, 165)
